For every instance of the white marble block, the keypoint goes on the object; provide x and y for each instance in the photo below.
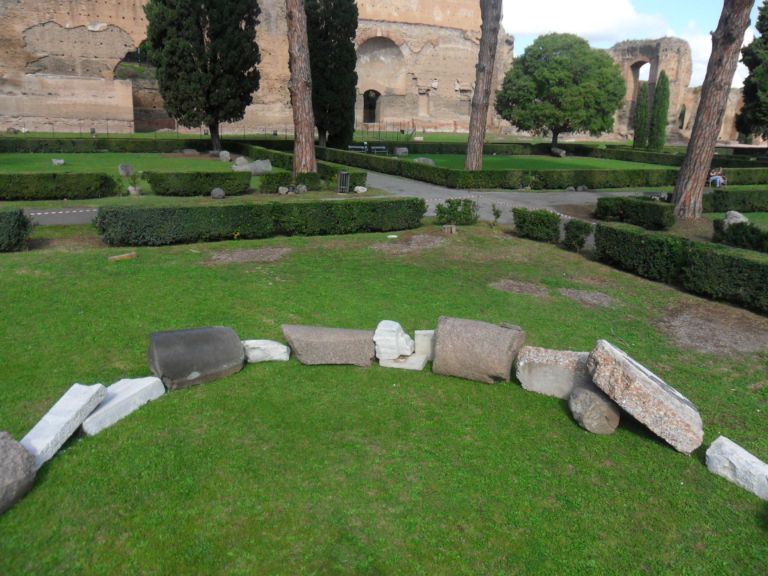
(415, 362)
(391, 341)
(266, 351)
(729, 460)
(425, 343)
(61, 421)
(123, 398)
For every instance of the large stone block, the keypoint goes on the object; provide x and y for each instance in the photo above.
(391, 341)
(593, 410)
(415, 362)
(266, 351)
(552, 372)
(425, 343)
(123, 398)
(17, 471)
(476, 350)
(646, 397)
(729, 460)
(318, 345)
(61, 421)
(183, 358)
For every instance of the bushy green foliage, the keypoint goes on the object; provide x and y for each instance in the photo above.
(657, 136)
(460, 211)
(207, 57)
(649, 214)
(271, 182)
(161, 226)
(541, 225)
(642, 119)
(14, 230)
(198, 183)
(560, 84)
(53, 186)
(576, 234)
(753, 117)
(722, 200)
(742, 235)
(331, 30)
(713, 271)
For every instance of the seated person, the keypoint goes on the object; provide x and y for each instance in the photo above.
(717, 177)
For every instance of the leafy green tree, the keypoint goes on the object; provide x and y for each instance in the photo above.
(658, 135)
(560, 84)
(206, 57)
(642, 121)
(753, 118)
(331, 28)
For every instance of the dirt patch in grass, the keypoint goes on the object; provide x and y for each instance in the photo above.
(411, 245)
(74, 243)
(589, 298)
(520, 287)
(247, 256)
(715, 328)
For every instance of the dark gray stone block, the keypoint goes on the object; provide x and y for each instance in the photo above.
(17, 471)
(186, 357)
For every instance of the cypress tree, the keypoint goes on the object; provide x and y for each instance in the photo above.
(658, 134)
(753, 118)
(331, 28)
(641, 117)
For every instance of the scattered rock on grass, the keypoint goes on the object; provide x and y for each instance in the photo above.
(425, 161)
(552, 372)
(122, 399)
(57, 162)
(225, 156)
(17, 471)
(391, 341)
(319, 345)
(266, 351)
(218, 194)
(593, 410)
(729, 460)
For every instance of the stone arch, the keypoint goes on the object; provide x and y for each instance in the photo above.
(381, 66)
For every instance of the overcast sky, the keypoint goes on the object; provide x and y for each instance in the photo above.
(606, 22)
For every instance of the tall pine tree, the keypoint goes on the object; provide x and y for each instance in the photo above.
(642, 121)
(207, 58)
(753, 118)
(658, 134)
(331, 29)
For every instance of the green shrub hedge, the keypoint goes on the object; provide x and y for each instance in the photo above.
(86, 144)
(723, 200)
(541, 225)
(742, 235)
(717, 272)
(121, 226)
(649, 214)
(576, 234)
(53, 186)
(14, 230)
(198, 183)
(460, 211)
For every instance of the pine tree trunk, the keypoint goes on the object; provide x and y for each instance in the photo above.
(300, 87)
(213, 130)
(486, 62)
(726, 46)
(555, 136)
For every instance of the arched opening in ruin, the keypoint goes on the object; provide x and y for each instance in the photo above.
(371, 104)
(640, 73)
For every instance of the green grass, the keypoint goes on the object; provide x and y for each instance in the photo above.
(289, 469)
(456, 161)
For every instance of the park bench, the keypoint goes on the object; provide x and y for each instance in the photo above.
(379, 150)
(357, 148)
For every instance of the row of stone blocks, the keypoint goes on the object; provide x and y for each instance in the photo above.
(596, 384)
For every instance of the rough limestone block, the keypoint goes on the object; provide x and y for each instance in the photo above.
(476, 350)
(593, 410)
(17, 471)
(123, 398)
(425, 343)
(646, 397)
(415, 362)
(225, 156)
(552, 372)
(729, 460)
(318, 345)
(186, 357)
(266, 351)
(391, 341)
(61, 421)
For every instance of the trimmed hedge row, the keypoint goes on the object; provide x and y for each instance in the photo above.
(706, 269)
(649, 214)
(121, 226)
(576, 234)
(14, 230)
(541, 225)
(198, 183)
(63, 145)
(742, 235)
(722, 200)
(54, 186)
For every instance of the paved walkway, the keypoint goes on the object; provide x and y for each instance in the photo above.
(61, 217)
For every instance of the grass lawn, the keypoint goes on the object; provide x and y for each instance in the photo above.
(456, 161)
(290, 469)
